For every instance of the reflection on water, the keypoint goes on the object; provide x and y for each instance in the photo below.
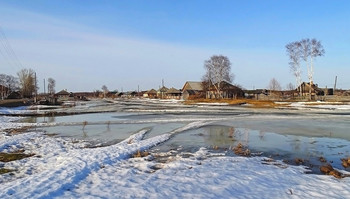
(285, 138)
(282, 147)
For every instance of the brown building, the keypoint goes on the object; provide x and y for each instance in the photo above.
(173, 93)
(192, 89)
(226, 91)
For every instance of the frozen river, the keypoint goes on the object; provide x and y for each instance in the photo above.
(306, 133)
(84, 150)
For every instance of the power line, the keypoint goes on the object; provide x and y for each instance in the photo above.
(6, 58)
(9, 50)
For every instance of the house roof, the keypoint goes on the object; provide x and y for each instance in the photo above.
(192, 85)
(63, 92)
(173, 91)
(163, 89)
(152, 91)
(225, 85)
(191, 92)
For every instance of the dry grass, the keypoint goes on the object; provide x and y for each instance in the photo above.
(8, 157)
(233, 102)
(140, 154)
(3, 171)
(17, 130)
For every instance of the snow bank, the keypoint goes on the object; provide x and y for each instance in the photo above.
(206, 176)
(320, 105)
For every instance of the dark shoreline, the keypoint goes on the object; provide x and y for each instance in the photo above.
(15, 103)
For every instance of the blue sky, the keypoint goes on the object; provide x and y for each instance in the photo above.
(126, 44)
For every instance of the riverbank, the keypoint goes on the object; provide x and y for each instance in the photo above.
(15, 102)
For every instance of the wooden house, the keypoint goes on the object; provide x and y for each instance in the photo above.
(63, 95)
(162, 92)
(305, 89)
(130, 94)
(227, 91)
(192, 89)
(150, 94)
(173, 93)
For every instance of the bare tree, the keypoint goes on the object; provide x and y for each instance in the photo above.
(274, 85)
(316, 50)
(218, 69)
(2, 83)
(310, 50)
(105, 90)
(12, 83)
(51, 84)
(294, 52)
(290, 87)
(8, 81)
(27, 82)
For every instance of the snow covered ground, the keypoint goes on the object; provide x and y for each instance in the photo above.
(320, 105)
(66, 168)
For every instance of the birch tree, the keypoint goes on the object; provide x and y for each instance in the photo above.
(105, 90)
(316, 50)
(218, 69)
(294, 52)
(51, 85)
(310, 50)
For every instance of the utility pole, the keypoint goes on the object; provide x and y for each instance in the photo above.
(335, 84)
(36, 92)
(44, 86)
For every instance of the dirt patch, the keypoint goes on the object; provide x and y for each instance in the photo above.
(329, 170)
(8, 157)
(140, 154)
(15, 102)
(237, 102)
(14, 131)
(3, 171)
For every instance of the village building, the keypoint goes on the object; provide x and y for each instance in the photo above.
(84, 95)
(227, 91)
(150, 94)
(119, 94)
(312, 91)
(162, 92)
(173, 93)
(257, 94)
(130, 94)
(64, 95)
(192, 89)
